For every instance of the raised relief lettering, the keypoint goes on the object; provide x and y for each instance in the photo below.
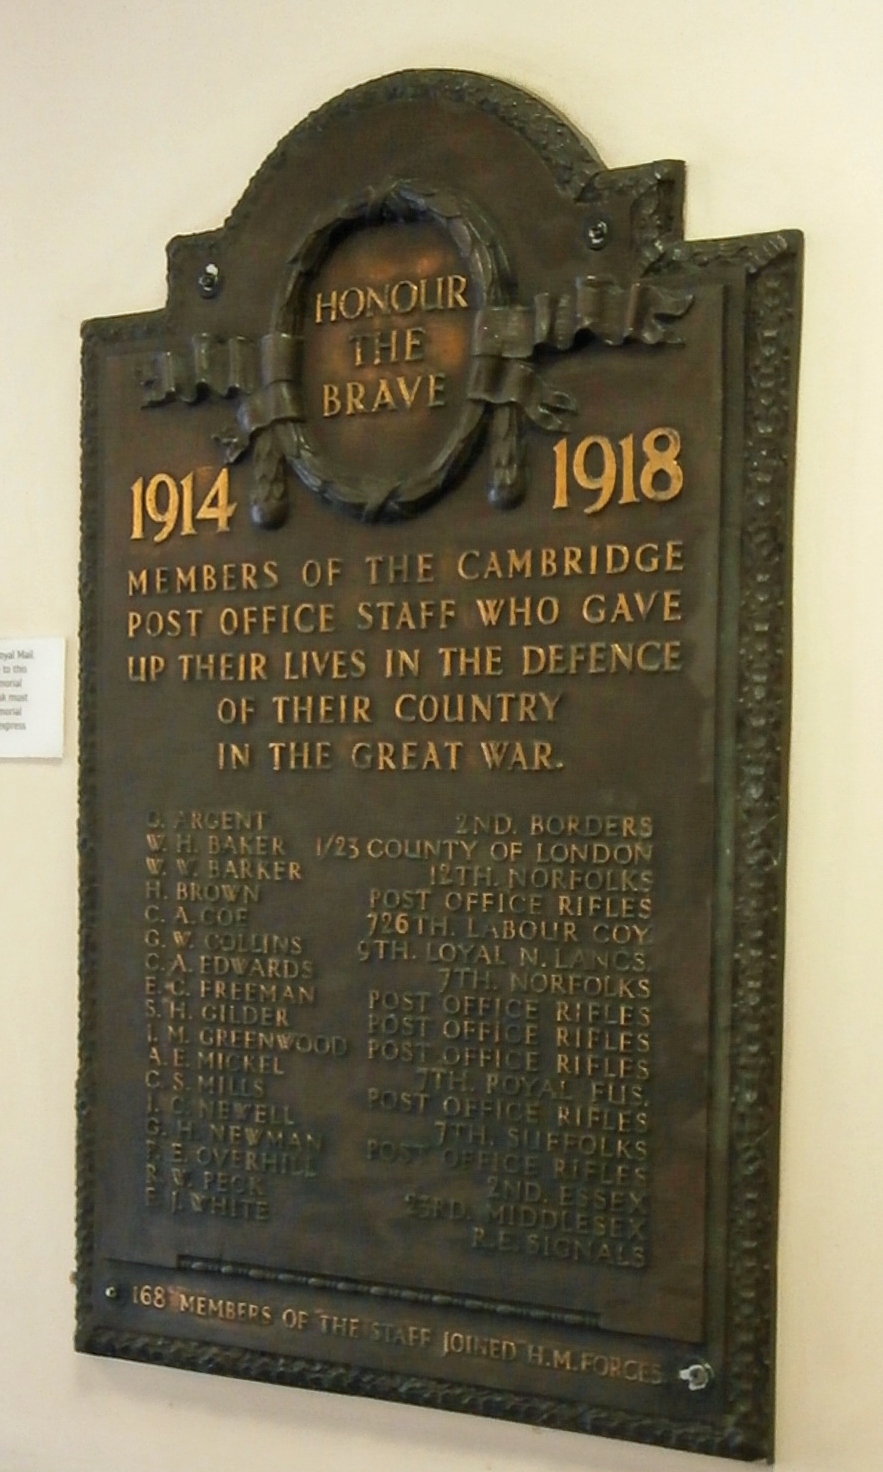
(425, 577)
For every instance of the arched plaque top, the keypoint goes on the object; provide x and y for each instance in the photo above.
(569, 156)
(550, 246)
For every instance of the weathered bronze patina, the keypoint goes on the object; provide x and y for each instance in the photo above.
(434, 693)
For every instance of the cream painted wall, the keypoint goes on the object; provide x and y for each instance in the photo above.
(122, 124)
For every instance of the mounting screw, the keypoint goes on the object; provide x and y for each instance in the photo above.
(209, 281)
(698, 1376)
(597, 232)
(111, 1291)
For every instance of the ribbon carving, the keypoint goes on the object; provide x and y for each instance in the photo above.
(265, 373)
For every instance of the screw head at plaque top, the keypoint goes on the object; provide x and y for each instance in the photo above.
(209, 281)
(596, 233)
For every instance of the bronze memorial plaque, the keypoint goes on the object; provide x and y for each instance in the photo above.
(434, 725)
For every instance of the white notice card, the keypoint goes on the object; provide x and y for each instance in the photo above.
(31, 697)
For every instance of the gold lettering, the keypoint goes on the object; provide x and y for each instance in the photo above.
(457, 291)
(357, 296)
(330, 303)
(294, 756)
(415, 338)
(403, 389)
(399, 298)
(671, 606)
(322, 710)
(649, 656)
(383, 398)
(355, 397)
(406, 756)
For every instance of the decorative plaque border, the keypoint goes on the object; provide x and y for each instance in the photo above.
(772, 266)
